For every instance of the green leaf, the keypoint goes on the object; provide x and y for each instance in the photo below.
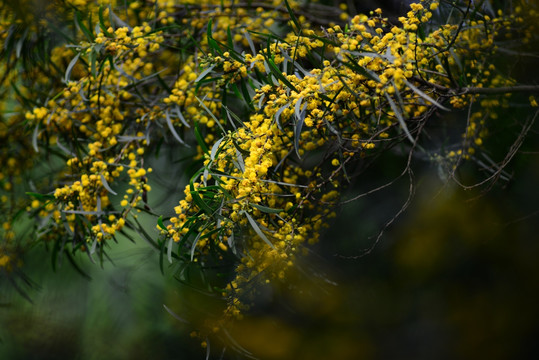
(293, 16)
(215, 148)
(117, 20)
(92, 59)
(169, 250)
(232, 116)
(102, 22)
(200, 140)
(278, 115)
(160, 223)
(174, 315)
(82, 27)
(229, 38)
(180, 115)
(82, 212)
(196, 197)
(246, 95)
(400, 118)
(257, 229)
(292, 209)
(204, 73)
(211, 41)
(161, 257)
(75, 265)
(54, 257)
(194, 245)
(41, 196)
(425, 96)
(279, 75)
(171, 128)
(250, 41)
(144, 234)
(300, 118)
(35, 133)
(267, 209)
(211, 114)
(106, 185)
(20, 43)
(240, 163)
(70, 68)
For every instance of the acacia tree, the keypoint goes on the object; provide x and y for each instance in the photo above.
(262, 112)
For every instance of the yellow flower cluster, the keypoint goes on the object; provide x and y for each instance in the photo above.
(281, 119)
(357, 97)
(106, 148)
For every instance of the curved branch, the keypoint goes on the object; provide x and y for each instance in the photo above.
(479, 90)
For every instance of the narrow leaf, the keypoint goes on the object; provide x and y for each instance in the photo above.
(40, 196)
(34, 138)
(92, 59)
(278, 115)
(425, 96)
(117, 20)
(267, 209)
(241, 164)
(180, 115)
(279, 75)
(398, 114)
(251, 44)
(82, 27)
(82, 212)
(215, 148)
(106, 185)
(204, 73)
(70, 68)
(293, 16)
(200, 140)
(144, 234)
(174, 315)
(194, 245)
(160, 223)
(297, 108)
(171, 128)
(129, 138)
(257, 229)
(102, 22)
(75, 265)
(196, 197)
(169, 250)
(299, 126)
(161, 253)
(211, 114)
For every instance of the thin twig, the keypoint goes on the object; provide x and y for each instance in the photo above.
(478, 90)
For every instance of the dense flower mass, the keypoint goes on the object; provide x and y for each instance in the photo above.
(277, 108)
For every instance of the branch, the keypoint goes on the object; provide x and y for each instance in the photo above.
(478, 90)
(513, 150)
(316, 13)
(499, 90)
